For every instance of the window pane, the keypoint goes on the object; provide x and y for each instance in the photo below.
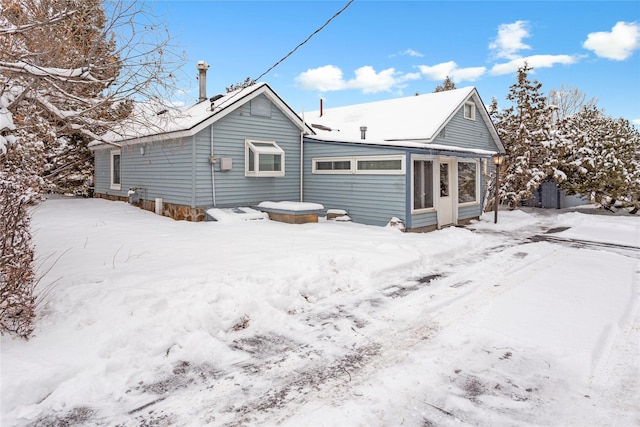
(252, 158)
(333, 165)
(422, 184)
(270, 162)
(263, 144)
(116, 169)
(466, 182)
(324, 166)
(380, 164)
(444, 179)
(469, 111)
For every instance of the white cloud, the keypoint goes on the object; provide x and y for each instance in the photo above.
(535, 61)
(330, 78)
(411, 52)
(438, 71)
(469, 74)
(408, 77)
(508, 42)
(618, 44)
(324, 79)
(636, 122)
(457, 75)
(371, 82)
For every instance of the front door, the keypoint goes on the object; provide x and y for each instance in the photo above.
(445, 202)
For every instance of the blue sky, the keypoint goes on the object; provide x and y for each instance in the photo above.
(385, 49)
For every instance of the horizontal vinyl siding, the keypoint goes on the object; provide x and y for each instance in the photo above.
(368, 199)
(203, 194)
(233, 187)
(102, 174)
(467, 212)
(465, 133)
(424, 220)
(164, 170)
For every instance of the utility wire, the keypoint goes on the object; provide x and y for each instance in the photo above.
(306, 40)
(288, 54)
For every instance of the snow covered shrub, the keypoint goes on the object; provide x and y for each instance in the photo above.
(17, 280)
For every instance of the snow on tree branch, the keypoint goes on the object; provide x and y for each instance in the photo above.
(7, 28)
(77, 75)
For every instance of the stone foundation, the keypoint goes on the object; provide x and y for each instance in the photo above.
(177, 212)
(111, 197)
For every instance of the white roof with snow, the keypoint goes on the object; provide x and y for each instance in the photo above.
(409, 121)
(148, 124)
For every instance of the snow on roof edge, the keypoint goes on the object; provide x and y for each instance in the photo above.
(403, 144)
(182, 127)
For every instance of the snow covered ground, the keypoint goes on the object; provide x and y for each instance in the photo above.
(146, 321)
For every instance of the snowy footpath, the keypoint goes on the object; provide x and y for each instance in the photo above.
(146, 321)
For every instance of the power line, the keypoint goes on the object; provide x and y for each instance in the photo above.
(306, 40)
(251, 82)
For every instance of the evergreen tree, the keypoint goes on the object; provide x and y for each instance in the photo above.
(526, 132)
(446, 85)
(602, 158)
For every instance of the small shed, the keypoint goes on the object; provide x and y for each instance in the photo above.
(549, 196)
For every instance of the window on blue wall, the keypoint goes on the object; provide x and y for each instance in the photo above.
(365, 165)
(422, 184)
(468, 182)
(380, 165)
(470, 110)
(263, 158)
(331, 165)
(115, 183)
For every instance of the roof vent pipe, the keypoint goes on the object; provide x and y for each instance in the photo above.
(321, 107)
(202, 79)
(363, 132)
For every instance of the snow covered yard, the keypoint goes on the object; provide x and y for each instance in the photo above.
(148, 321)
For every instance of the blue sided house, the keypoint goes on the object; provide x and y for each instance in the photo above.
(418, 159)
(236, 149)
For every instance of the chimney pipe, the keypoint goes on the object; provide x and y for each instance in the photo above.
(202, 78)
(321, 107)
(363, 132)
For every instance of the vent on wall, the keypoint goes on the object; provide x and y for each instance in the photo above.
(226, 163)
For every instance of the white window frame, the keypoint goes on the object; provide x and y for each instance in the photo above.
(435, 183)
(472, 110)
(400, 171)
(258, 148)
(316, 160)
(477, 200)
(112, 184)
(354, 165)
